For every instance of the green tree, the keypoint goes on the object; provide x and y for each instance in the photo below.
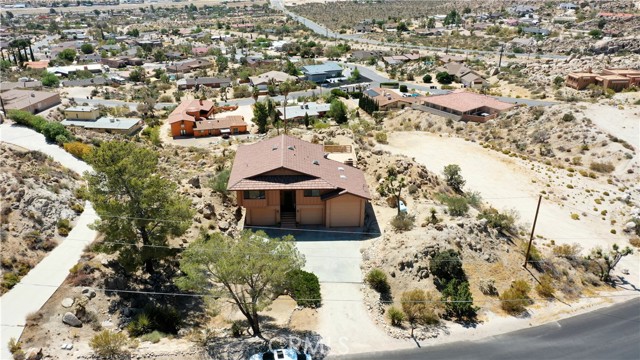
(5, 65)
(596, 34)
(446, 266)
(338, 111)
(140, 209)
(607, 261)
(444, 78)
(133, 32)
(137, 75)
(307, 120)
(355, 75)
(393, 185)
(453, 178)
(290, 68)
(87, 48)
(285, 88)
(261, 116)
(50, 80)
(67, 55)
(159, 55)
(427, 78)
(452, 18)
(251, 269)
(458, 300)
(56, 132)
(222, 63)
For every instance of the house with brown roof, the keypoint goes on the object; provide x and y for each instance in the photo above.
(288, 182)
(467, 106)
(196, 118)
(614, 79)
(29, 100)
(388, 99)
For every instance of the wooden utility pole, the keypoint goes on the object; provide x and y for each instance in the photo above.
(500, 61)
(535, 220)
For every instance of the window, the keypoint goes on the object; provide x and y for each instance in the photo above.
(311, 193)
(253, 194)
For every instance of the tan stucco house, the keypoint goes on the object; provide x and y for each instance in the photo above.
(287, 181)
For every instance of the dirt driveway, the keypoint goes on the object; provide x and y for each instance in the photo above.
(508, 183)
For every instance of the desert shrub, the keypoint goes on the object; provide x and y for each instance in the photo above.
(9, 280)
(458, 300)
(515, 299)
(153, 337)
(635, 242)
(497, 220)
(568, 117)
(219, 182)
(545, 287)
(64, 226)
(602, 167)
(567, 251)
(412, 189)
(396, 316)
(77, 149)
(305, 288)
(161, 318)
(109, 344)
(381, 137)
(421, 307)
(77, 208)
(453, 178)
(474, 199)
(377, 279)
(403, 222)
(456, 205)
(236, 329)
(446, 266)
(56, 132)
(488, 287)
(166, 98)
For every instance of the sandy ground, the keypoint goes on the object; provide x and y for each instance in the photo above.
(625, 125)
(509, 183)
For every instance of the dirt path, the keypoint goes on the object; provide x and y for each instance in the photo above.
(509, 183)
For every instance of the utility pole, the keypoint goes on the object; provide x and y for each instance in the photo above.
(535, 220)
(500, 61)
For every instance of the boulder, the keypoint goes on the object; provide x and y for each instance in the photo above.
(195, 182)
(630, 226)
(67, 302)
(89, 293)
(223, 225)
(208, 211)
(71, 320)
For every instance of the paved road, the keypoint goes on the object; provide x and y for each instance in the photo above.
(24, 299)
(610, 333)
(113, 103)
(321, 30)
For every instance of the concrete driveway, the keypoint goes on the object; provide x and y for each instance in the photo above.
(343, 321)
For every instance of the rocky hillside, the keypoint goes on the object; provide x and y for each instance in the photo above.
(39, 204)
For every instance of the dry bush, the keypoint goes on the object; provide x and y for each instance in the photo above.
(635, 242)
(602, 167)
(545, 287)
(515, 299)
(77, 149)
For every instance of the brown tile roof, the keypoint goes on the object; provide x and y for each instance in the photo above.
(222, 123)
(467, 101)
(282, 182)
(305, 158)
(387, 97)
(180, 112)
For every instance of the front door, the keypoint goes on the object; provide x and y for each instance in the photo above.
(287, 201)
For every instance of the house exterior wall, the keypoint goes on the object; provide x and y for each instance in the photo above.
(216, 132)
(41, 105)
(262, 212)
(579, 82)
(82, 115)
(177, 127)
(345, 211)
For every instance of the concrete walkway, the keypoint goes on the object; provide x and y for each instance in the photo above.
(43, 280)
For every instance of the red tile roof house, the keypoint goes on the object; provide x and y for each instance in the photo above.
(467, 105)
(196, 118)
(287, 181)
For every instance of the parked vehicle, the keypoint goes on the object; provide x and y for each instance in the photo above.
(281, 354)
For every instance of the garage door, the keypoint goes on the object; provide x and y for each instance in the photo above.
(311, 216)
(263, 217)
(345, 212)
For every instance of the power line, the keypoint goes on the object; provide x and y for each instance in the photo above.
(199, 295)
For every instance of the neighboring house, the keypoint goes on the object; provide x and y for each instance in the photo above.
(42, 64)
(463, 74)
(536, 31)
(297, 112)
(362, 28)
(29, 84)
(614, 79)
(203, 81)
(82, 113)
(29, 100)
(467, 105)
(186, 66)
(522, 9)
(125, 126)
(98, 80)
(90, 57)
(271, 77)
(287, 181)
(122, 61)
(388, 99)
(195, 118)
(320, 73)
(568, 6)
(72, 69)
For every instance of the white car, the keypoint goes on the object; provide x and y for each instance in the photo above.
(281, 354)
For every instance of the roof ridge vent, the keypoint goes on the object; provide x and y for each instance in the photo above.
(340, 168)
(291, 147)
(274, 148)
(315, 162)
(343, 176)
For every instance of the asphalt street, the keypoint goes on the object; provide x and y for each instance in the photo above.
(611, 333)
